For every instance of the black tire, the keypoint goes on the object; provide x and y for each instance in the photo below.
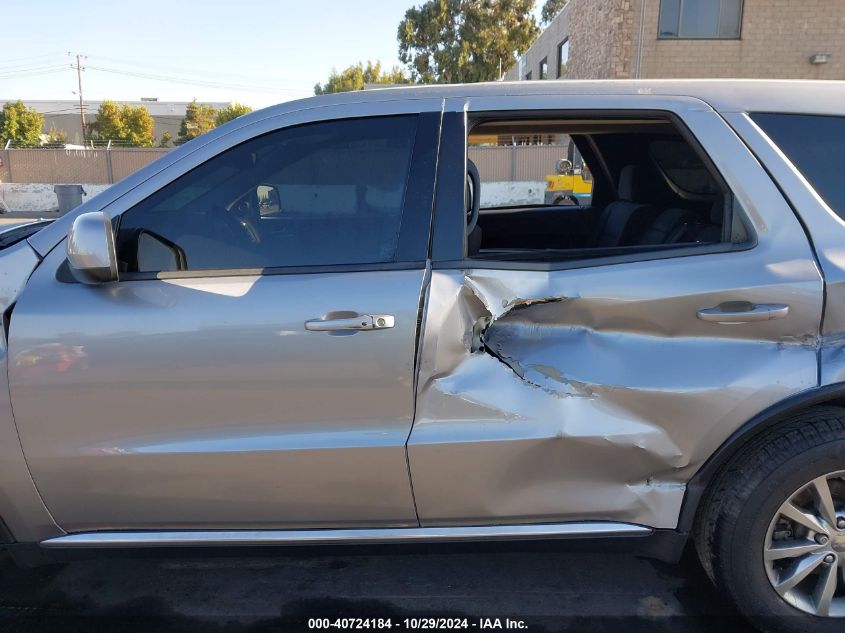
(738, 508)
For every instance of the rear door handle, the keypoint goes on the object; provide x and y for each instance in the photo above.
(356, 323)
(743, 312)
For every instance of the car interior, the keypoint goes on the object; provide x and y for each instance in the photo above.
(313, 195)
(333, 194)
(651, 190)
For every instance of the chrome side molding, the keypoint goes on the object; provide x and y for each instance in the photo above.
(210, 538)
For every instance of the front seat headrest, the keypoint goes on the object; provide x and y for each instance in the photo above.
(628, 182)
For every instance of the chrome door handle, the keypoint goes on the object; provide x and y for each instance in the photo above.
(743, 312)
(361, 322)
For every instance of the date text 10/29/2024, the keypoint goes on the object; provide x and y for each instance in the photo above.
(418, 624)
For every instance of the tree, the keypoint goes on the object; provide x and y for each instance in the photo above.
(165, 139)
(231, 112)
(20, 124)
(109, 123)
(138, 125)
(550, 10)
(56, 137)
(199, 119)
(125, 124)
(355, 77)
(455, 41)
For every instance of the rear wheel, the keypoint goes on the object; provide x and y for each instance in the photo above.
(771, 532)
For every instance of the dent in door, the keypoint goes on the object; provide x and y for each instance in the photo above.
(576, 395)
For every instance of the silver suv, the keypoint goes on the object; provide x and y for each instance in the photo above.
(362, 318)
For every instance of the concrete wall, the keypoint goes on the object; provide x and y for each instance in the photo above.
(37, 197)
(503, 194)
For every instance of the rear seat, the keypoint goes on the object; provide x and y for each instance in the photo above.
(676, 226)
(670, 227)
(712, 231)
(623, 222)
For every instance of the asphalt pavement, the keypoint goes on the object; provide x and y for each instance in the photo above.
(540, 590)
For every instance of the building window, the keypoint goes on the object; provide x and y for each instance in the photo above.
(713, 19)
(528, 76)
(544, 68)
(563, 59)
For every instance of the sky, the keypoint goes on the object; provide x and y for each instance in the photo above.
(257, 52)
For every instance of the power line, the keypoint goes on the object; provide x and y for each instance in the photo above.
(39, 70)
(26, 61)
(194, 82)
(148, 67)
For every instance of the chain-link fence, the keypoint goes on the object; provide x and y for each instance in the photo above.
(56, 166)
(516, 163)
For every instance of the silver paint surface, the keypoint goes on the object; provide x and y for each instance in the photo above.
(595, 393)
(541, 396)
(21, 507)
(199, 403)
(828, 234)
(90, 248)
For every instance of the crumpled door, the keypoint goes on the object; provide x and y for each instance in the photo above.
(596, 391)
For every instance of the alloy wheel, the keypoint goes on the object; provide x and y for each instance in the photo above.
(804, 552)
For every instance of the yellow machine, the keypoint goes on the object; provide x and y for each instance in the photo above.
(569, 185)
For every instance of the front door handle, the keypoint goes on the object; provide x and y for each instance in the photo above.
(743, 312)
(355, 323)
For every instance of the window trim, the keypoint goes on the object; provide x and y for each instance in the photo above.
(443, 242)
(414, 237)
(560, 59)
(211, 273)
(667, 252)
(730, 38)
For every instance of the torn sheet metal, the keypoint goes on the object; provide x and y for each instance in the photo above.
(596, 393)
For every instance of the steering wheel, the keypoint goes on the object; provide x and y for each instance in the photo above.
(232, 226)
(243, 215)
(473, 188)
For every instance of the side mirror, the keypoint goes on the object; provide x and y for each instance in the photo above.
(269, 201)
(90, 249)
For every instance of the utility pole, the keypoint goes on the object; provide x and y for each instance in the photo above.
(79, 68)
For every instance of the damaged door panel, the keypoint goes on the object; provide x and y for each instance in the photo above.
(595, 391)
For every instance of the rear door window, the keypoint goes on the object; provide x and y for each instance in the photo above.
(816, 147)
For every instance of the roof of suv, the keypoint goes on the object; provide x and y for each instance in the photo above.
(726, 95)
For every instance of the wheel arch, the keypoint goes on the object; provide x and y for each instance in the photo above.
(831, 395)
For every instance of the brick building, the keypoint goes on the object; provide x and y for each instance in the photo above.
(629, 39)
